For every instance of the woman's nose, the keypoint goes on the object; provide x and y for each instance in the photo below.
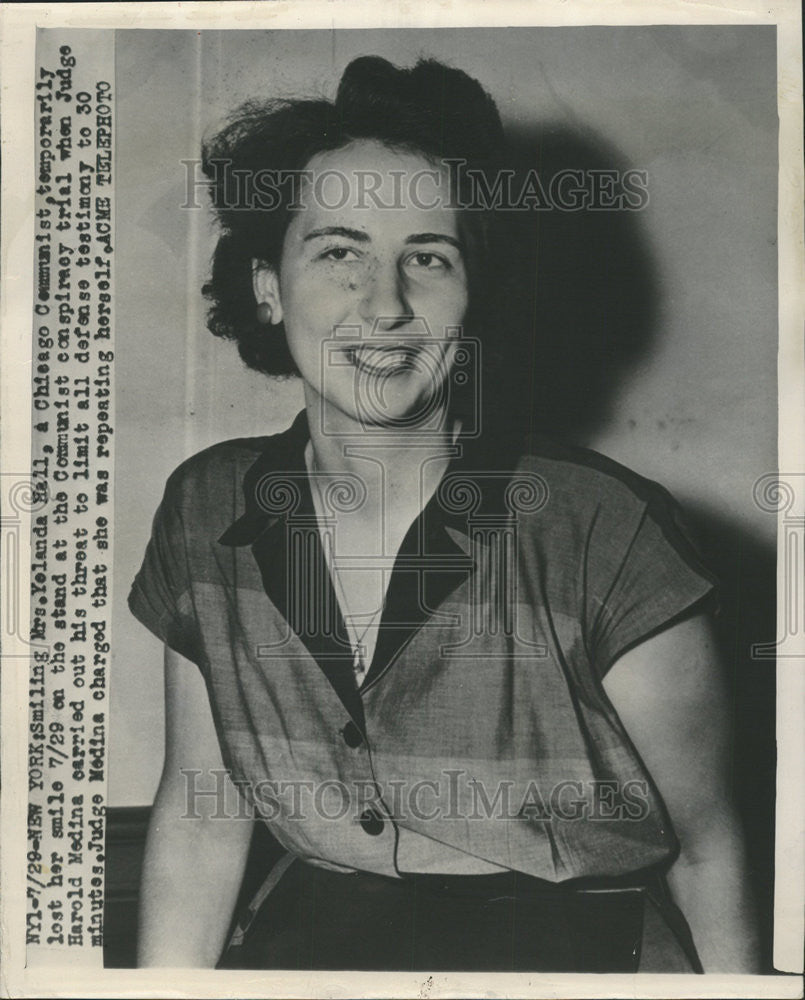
(385, 303)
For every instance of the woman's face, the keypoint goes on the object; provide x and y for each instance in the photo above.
(372, 286)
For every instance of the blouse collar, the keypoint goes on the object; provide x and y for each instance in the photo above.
(276, 487)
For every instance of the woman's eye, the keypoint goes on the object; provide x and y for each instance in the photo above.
(428, 261)
(340, 253)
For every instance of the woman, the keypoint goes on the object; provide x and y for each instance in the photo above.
(469, 686)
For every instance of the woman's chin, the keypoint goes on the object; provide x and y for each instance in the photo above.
(405, 401)
(395, 407)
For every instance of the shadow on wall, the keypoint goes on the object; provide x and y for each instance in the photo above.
(747, 573)
(588, 315)
(577, 282)
(588, 318)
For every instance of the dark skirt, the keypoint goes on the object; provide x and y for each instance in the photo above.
(509, 922)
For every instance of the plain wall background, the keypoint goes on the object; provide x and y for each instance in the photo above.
(695, 107)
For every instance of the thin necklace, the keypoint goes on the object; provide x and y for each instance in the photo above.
(359, 666)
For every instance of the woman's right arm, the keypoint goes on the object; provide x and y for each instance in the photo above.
(194, 859)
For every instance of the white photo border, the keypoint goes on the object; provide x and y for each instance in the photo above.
(19, 23)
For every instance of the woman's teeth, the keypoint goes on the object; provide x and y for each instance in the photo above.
(382, 359)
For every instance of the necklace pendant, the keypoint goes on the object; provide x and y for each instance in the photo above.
(358, 665)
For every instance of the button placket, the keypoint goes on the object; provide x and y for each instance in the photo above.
(372, 822)
(375, 820)
(352, 735)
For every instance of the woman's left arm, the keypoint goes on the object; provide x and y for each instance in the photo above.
(669, 694)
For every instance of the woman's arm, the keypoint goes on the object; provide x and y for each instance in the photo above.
(193, 866)
(670, 696)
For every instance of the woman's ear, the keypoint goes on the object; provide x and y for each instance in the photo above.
(265, 283)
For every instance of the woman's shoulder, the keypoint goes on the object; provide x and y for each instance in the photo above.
(605, 512)
(217, 471)
(569, 466)
(587, 488)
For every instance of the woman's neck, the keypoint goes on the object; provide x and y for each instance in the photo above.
(400, 468)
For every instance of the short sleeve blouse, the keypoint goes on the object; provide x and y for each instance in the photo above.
(491, 682)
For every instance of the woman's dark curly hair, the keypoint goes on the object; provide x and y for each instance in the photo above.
(431, 109)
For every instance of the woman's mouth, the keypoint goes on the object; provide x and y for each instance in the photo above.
(386, 359)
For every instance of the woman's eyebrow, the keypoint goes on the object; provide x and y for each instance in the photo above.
(351, 234)
(417, 238)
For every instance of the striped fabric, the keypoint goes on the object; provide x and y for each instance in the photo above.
(481, 738)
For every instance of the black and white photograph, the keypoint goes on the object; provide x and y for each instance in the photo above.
(414, 516)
